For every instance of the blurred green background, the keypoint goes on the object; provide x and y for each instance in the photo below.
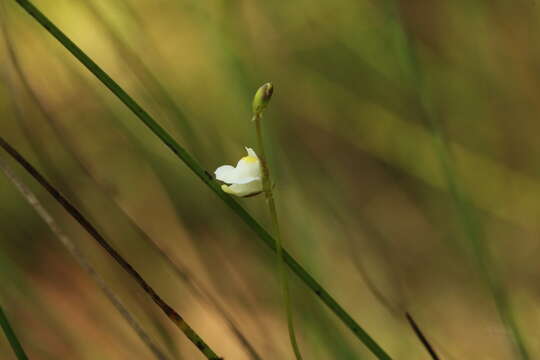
(367, 93)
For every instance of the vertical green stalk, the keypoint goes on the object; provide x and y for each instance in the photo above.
(262, 97)
(12, 338)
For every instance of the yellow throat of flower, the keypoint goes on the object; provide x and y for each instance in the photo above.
(250, 159)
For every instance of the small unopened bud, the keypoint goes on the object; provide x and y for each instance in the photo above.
(262, 98)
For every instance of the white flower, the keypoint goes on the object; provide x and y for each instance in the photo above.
(245, 179)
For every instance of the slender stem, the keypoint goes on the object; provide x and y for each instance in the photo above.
(12, 338)
(283, 279)
(421, 337)
(197, 169)
(145, 75)
(170, 312)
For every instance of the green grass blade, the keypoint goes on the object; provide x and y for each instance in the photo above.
(141, 71)
(12, 338)
(343, 315)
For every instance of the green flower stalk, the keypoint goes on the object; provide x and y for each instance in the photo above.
(250, 177)
(260, 102)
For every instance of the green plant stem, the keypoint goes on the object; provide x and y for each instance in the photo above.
(282, 273)
(146, 77)
(192, 164)
(12, 338)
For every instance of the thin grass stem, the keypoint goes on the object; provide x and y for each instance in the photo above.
(146, 77)
(191, 163)
(11, 336)
(282, 271)
(420, 335)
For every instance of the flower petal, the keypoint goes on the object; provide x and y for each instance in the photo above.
(238, 175)
(251, 152)
(243, 190)
(247, 169)
(226, 173)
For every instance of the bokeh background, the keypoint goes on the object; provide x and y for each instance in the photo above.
(369, 97)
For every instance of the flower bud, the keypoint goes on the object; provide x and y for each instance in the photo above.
(262, 98)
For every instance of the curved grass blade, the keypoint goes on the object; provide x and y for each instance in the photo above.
(343, 315)
(12, 338)
(171, 313)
